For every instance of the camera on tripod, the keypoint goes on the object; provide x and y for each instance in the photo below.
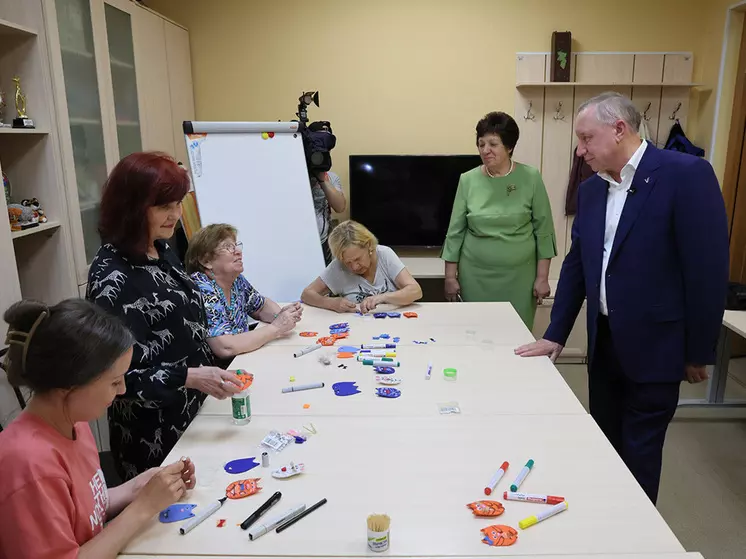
(318, 138)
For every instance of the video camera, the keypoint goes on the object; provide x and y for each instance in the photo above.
(318, 139)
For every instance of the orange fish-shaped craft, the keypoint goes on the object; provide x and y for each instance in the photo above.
(326, 340)
(410, 315)
(243, 488)
(499, 535)
(486, 508)
(246, 378)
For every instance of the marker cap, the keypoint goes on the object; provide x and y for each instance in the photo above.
(527, 522)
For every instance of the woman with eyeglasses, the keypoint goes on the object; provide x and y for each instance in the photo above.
(137, 276)
(232, 305)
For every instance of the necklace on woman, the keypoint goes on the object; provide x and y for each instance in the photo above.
(490, 175)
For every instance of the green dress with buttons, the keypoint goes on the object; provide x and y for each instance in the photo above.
(500, 227)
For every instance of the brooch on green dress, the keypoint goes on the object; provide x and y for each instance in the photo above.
(510, 188)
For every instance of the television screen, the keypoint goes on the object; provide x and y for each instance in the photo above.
(406, 200)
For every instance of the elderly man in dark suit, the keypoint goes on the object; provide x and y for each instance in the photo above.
(650, 254)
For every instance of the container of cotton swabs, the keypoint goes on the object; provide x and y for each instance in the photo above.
(378, 532)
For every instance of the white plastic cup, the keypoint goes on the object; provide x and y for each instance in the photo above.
(378, 541)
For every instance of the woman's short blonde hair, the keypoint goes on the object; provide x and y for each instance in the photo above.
(350, 233)
(204, 243)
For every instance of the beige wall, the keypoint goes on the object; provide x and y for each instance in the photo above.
(414, 76)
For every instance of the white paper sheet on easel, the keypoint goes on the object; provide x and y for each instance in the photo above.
(261, 187)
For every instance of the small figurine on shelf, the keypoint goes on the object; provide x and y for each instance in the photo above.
(23, 120)
(3, 104)
(6, 188)
(34, 204)
(21, 217)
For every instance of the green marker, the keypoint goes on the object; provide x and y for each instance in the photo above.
(522, 475)
(385, 362)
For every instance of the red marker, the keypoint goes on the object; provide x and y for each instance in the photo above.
(496, 478)
(533, 498)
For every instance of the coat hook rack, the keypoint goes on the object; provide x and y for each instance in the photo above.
(558, 112)
(529, 115)
(645, 112)
(676, 110)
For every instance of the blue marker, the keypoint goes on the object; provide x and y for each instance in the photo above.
(378, 346)
(429, 371)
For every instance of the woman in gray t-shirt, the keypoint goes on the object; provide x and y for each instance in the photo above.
(362, 273)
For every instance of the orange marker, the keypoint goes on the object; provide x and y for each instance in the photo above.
(496, 478)
(533, 498)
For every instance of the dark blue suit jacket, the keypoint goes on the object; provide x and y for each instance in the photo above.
(667, 275)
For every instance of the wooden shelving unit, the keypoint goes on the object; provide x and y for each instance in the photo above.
(607, 84)
(36, 262)
(11, 29)
(49, 227)
(26, 131)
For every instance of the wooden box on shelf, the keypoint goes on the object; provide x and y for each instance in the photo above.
(561, 53)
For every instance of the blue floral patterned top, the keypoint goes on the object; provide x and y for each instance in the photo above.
(224, 318)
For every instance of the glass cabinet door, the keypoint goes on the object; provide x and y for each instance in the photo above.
(84, 112)
(123, 79)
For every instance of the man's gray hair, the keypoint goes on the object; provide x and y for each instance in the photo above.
(611, 107)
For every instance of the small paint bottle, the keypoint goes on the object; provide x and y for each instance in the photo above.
(241, 407)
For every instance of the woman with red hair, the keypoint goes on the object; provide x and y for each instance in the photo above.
(137, 276)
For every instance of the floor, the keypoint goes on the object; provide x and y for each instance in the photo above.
(703, 486)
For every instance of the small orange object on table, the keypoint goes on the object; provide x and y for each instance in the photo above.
(308, 334)
(410, 314)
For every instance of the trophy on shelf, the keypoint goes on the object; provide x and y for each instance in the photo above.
(23, 121)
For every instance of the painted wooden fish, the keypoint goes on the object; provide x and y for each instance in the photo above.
(486, 508)
(243, 488)
(499, 535)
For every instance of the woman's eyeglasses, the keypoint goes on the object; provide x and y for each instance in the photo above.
(232, 248)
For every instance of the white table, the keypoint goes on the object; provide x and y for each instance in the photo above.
(491, 381)
(505, 553)
(422, 472)
(447, 323)
(733, 322)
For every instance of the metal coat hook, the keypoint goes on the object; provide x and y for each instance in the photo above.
(645, 112)
(529, 115)
(676, 110)
(558, 113)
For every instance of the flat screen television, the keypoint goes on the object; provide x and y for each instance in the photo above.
(406, 200)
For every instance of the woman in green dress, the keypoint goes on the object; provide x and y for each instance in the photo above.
(501, 236)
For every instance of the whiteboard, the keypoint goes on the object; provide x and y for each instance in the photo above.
(261, 187)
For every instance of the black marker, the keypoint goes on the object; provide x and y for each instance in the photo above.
(296, 518)
(246, 524)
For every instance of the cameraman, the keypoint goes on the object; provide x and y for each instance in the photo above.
(326, 189)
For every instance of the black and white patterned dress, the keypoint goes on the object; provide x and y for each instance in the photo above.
(163, 308)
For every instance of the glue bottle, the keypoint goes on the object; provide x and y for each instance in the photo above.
(241, 406)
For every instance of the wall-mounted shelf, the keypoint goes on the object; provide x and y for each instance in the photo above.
(38, 131)
(49, 227)
(13, 29)
(608, 84)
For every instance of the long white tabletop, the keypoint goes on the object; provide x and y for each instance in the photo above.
(502, 554)
(448, 323)
(422, 472)
(491, 380)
